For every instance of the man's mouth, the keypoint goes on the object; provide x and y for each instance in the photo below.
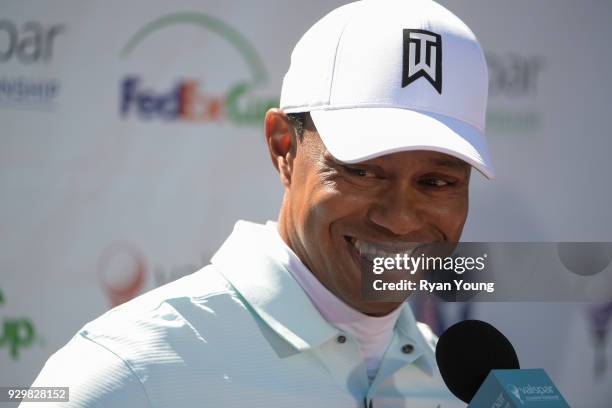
(367, 250)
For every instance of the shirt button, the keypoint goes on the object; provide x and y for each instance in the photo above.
(407, 348)
(341, 339)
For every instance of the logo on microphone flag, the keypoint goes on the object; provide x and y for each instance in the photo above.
(526, 388)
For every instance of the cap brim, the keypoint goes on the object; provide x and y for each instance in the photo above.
(356, 134)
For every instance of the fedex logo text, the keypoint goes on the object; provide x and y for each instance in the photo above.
(183, 102)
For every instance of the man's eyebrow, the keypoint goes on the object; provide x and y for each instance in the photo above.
(450, 162)
(358, 164)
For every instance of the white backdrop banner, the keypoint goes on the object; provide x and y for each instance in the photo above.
(132, 141)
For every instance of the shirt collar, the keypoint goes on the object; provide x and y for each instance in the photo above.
(255, 266)
(264, 283)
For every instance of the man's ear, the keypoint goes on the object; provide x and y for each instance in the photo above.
(281, 140)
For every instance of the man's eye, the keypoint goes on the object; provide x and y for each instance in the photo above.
(360, 172)
(436, 182)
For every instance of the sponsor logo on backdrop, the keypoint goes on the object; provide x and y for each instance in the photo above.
(17, 333)
(513, 85)
(163, 275)
(122, 272)
(600, 319)
(188, 99)
(25, 46)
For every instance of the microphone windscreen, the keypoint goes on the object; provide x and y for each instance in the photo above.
(466, 353)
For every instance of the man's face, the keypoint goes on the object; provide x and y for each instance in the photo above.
(337, 216)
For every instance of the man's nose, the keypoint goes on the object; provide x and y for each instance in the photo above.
(399, 210)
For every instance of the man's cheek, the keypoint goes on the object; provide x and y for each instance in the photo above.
(449, 218)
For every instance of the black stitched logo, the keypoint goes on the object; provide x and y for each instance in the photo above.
(422, 57)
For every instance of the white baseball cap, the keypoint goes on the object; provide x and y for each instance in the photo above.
(383, 76)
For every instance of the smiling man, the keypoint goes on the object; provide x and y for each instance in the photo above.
(381, 120)
(336, 216)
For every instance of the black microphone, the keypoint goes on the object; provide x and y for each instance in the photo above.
(468, 351)
(479, 365)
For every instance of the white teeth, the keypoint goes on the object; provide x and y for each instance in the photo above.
(371, 251)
